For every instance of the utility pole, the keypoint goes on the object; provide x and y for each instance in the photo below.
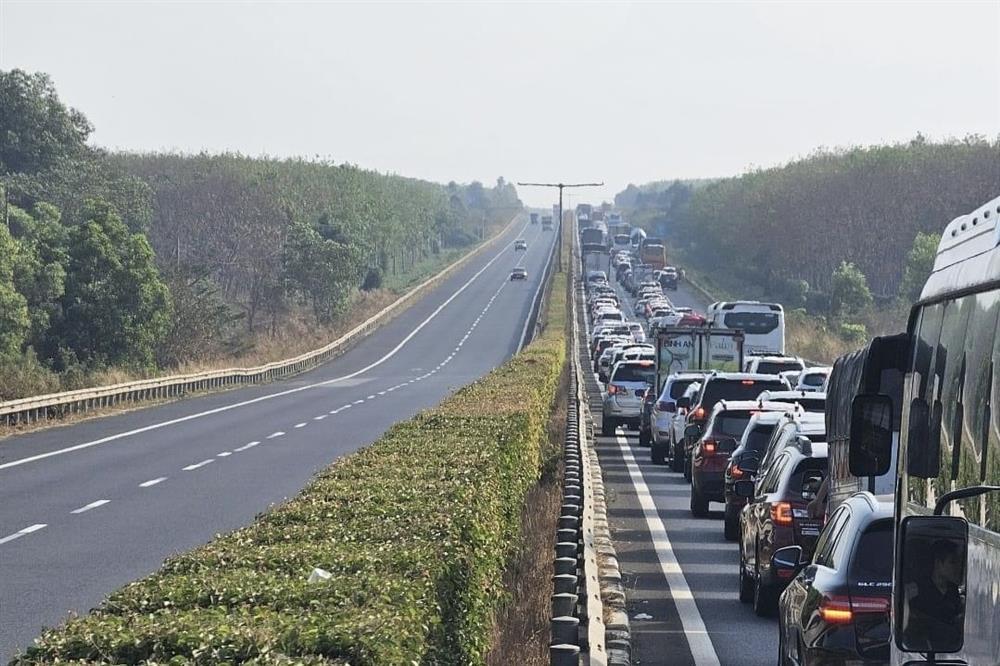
(560, 186)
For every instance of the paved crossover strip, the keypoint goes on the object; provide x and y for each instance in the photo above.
(88, 507)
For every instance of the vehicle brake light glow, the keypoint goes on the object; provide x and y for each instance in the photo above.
(781, 513)
(869, 604)
(836, 610)
(699, 413)
(708, 447)
(736, 472)
(747, 382)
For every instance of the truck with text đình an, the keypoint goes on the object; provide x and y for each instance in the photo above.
(946, 572)
(690, 348)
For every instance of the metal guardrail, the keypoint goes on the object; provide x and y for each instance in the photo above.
(55, 405)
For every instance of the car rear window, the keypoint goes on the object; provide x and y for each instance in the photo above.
(871, 566)
(759, 436)
(678, 387)
(754, 323)
(635, 372)
(814, 379)
(737, 389)
(807, 477)
(730, 423)
(775, 367)
(812, 405)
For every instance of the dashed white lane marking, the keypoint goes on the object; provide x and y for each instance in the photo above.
(381, 392)
(698, 640)
(319, 418)
(21, 533)
(371, 397)
(246, 446)
(152, 482)
(358, 402)
(197, 465)
(300, 425)
(163, 424)
(275, 434)
(224, 454)
(93, 505)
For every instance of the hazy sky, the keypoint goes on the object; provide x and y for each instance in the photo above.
(614, 92)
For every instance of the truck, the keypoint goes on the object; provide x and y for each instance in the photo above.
(534, 218)
(654, 255)
(947, 457)
(592, 240)
(593, 261)
(547, 222)
(689, 348)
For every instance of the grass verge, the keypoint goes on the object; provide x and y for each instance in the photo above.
(417, 530)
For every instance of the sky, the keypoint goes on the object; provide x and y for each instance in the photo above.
(599, 92)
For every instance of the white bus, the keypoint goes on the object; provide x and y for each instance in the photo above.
(946, 577)
(763, 324)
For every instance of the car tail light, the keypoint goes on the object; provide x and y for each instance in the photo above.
(614, 388)
(781, 513)
(736, 473)
(841, 609)
(747, 382)
(698, 413)
(708, 447)
(836, 610)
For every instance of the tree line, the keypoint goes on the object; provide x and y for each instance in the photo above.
(146, 261)
(834, 232)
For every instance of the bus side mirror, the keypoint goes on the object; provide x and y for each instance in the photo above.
(928, 612)
(870, 451)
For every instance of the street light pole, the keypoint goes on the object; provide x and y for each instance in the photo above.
(560, 186)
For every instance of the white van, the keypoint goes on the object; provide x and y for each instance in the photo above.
(763, 324)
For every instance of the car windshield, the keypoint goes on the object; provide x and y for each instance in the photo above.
(737, 389)
(754, 323)
(635, 372)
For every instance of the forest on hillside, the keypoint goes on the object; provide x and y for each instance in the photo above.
(140, 263)
(835, 232)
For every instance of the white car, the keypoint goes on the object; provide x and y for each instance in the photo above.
(773, 365)
(814, 379)
(637, 332)
(661, 417)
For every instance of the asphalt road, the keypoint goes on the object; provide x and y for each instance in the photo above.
(140, 486)
(679, 572)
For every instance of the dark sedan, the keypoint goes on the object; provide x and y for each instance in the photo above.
(836, 609)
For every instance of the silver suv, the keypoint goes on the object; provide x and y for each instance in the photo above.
(627, 386)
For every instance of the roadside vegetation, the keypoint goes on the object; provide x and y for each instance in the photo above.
(423, 533)
(844, 239)
(117, 265)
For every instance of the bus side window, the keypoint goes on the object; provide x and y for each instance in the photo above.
(950, 363)
(924, 413)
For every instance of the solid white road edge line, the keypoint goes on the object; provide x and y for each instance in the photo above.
(697, 636)
(156, 426)
(88, 507)
(21, 533)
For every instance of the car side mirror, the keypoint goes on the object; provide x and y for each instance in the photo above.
(692, 431)
(785, 562)
(870, 449)
(929, 586)
(743, 488)
(683, 403)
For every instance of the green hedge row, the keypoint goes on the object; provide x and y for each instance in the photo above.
(416, 529)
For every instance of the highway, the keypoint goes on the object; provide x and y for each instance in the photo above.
(680, 574)
(88, 507)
